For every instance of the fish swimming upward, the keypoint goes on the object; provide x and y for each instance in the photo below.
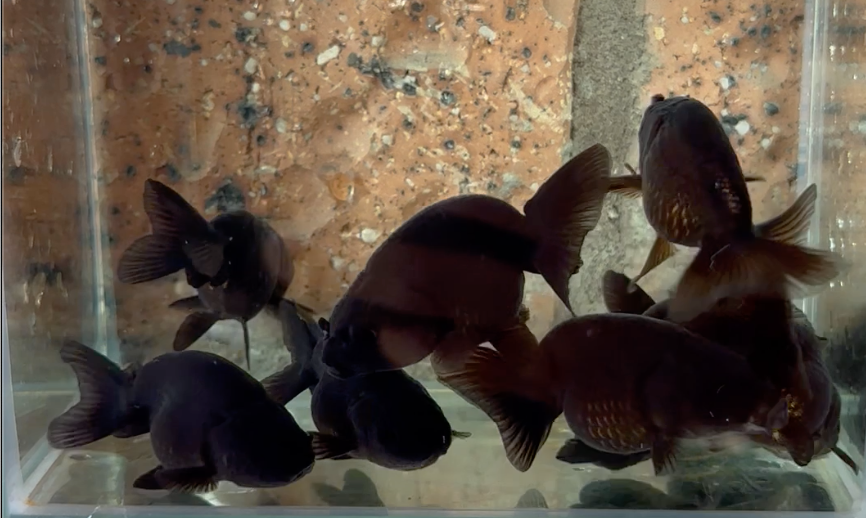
(694, 194)
(452, 276)
(236, 262)
(780, 343)
(207, 418)
(625, 383)
(387, 417)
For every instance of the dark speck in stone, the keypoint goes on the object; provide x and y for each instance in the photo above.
(715, 17)
(176, 48)
(261, 140)
(307, 47)
(448, 144)
(100, 60)
(460, 21)
(289, 54)
(417, 7)
(410, 89)
(354, 60)
(516, 144)
(244, 34)
(226, 198)
(510, 13)
(771, 108)
(130, 171)
(171, 171)
(527, 53)
(751, 31)
(735, 41)
(148, 69)
(115, 210)
(408, 124)
(213, 23)
(198, 9)
(766, 31)
(447, 98)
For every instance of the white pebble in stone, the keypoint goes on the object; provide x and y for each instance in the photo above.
(327, 55)
(370, 235)
(742, 128)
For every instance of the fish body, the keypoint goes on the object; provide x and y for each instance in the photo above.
(625, 384)
(694, 194)
(781, 345)
(452, 276)
(237, 262)
(385, 417)
(208, 420)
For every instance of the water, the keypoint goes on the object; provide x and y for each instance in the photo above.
(338, 121)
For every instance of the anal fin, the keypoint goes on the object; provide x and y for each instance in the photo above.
(629, 186)
(188, 304)
(331, 447)
(193, 328)
(664, 452)
(661, 251)
(619, 298)
(199, 479)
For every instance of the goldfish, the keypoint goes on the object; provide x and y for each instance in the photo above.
(625, 384)
(780, 342)
(208, 420)
(237, 262)
(452, 276)
(387, 417)
(694, 194)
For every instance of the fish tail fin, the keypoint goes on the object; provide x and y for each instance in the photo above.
(103, 404)
(563, 211)
(515, 399)
(791, 226)
(754, 267)
(621, 295)
(300, 335)
(149, 258)
(173, 217)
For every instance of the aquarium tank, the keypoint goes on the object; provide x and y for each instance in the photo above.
(227, 225)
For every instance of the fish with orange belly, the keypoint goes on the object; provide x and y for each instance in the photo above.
(695, 195)
(625, 384)
(779, 342)
(452, 276)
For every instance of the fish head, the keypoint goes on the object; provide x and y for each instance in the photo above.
(352, 350)
(261, 446)
(398, 425)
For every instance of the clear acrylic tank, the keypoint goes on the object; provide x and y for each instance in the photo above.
(337, 120)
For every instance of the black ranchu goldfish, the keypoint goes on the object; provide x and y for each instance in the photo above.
(694, 194)
(452, 276)
(236, 262)
(625, 383)
(386, 417)
(780, 343)
(208, 420)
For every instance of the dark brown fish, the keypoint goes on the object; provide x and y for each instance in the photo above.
(625, 383)
(780, 343)
(236, 262)
(387, 418)
(694, 194)
(207, 418)
(452, 276)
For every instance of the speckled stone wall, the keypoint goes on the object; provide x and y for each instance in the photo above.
(336, 121)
